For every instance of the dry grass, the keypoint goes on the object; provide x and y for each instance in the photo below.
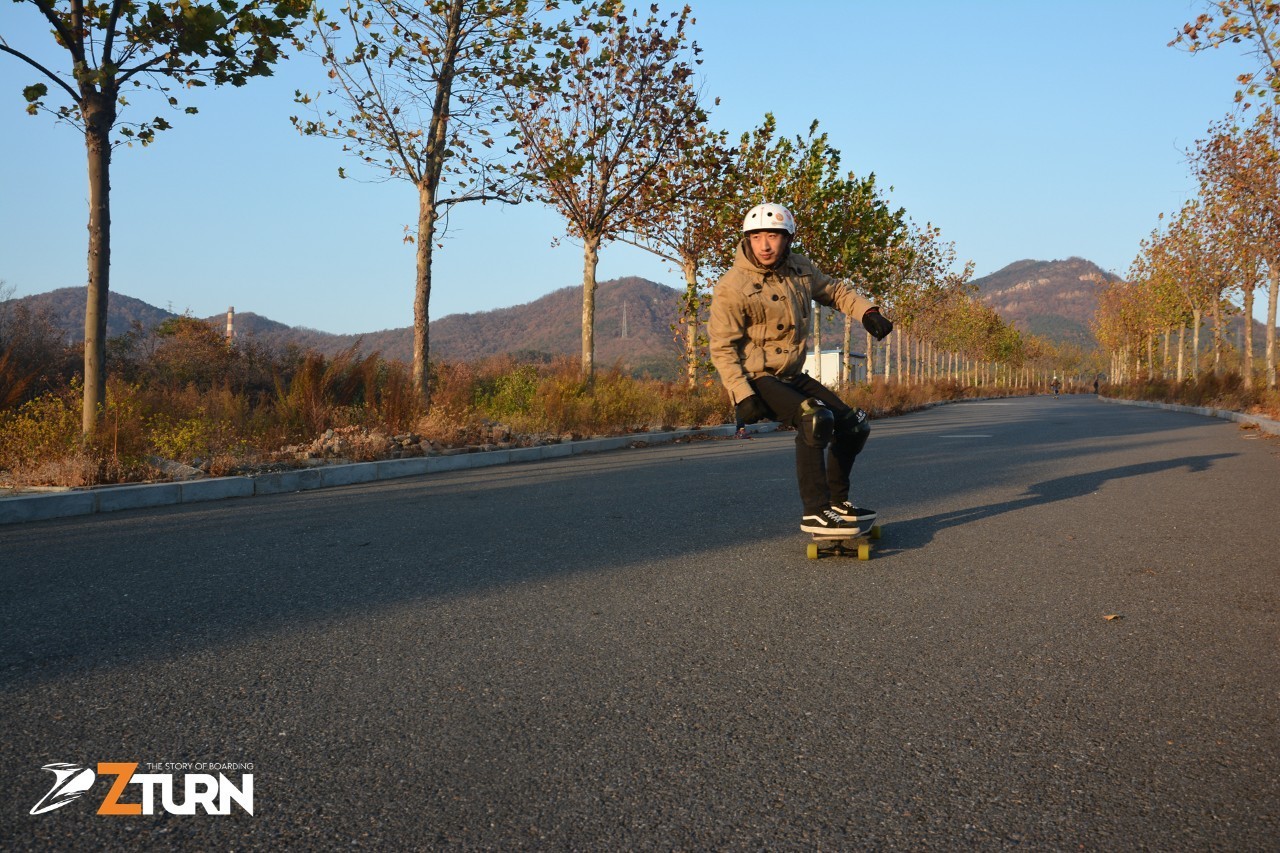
(1209, 391)
(243, 417)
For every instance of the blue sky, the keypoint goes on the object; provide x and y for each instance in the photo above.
(1023, 128)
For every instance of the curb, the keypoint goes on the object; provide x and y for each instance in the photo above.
(1265, 424)
(46, 505)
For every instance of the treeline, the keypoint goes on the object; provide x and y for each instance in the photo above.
(1202, 266)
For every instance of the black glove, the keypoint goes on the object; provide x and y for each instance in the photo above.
(752, 409)
(876, 323)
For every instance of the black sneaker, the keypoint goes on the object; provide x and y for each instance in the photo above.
(848, 511)
(828, 521)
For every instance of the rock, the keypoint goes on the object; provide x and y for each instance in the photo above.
(175, 470)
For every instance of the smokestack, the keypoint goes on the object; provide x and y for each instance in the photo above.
(231, 331)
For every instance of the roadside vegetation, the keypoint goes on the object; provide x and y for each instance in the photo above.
(182, 403)
(1228, 392)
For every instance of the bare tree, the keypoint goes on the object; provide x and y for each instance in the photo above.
(114, 44)
(619, 105)
(419, 85)
(688, 212)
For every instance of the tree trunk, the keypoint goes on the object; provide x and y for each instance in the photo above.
(1196, 319)
(422, 295)
(691, 323)
(1164, 357)
(100, 116)
(1182, 352)
(1247, 328)
(590, 259)
(428, 189)
(846, 363)
(1217, 336)
(817, 340)
(1272, 292)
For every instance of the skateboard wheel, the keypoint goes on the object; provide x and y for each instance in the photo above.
(875, 531)
(812, 550)
(864, 551)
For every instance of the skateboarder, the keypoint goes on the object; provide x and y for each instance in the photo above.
(760, 315)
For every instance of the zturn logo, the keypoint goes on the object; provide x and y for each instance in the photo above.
(72, 781)
(198, 787)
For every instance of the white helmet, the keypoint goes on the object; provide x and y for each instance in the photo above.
(769, 217)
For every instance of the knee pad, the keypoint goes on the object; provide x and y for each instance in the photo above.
(815, 423)
(852, 429)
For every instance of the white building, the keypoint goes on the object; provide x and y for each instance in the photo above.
(826, 369)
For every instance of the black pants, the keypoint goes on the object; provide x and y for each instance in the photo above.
(823, 475)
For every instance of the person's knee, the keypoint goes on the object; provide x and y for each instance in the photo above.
(815, 423)
(852, 429)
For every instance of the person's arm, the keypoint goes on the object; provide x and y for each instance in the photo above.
(841, 295)
(727, 329)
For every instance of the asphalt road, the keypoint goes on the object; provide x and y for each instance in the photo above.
(631, 650)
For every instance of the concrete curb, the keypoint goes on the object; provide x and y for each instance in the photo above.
(1265, 424)
(46, 505)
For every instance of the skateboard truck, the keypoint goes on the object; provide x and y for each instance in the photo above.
(843, 545)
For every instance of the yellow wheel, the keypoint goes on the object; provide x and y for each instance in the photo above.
(864, 551)
(874, 533)
(812, 550)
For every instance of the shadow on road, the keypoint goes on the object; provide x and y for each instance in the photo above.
(106, 591)
(918, 532)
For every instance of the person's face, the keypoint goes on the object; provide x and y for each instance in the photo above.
(767, 246)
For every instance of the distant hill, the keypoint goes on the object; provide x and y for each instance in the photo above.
(1055, 300)
(65, 309)
(633, 326)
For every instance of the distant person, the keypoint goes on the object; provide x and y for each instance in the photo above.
(1095, 386)
(1055, 386)
(759, 329)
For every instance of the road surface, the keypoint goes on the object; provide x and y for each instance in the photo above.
(1069, 637)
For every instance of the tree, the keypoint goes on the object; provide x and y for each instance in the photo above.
(1252, 22)
(420, 85)
(1239, 169)
(862, 240)
(113, 45)
(690, 209)
(618, 105)
(924, 289)
(1191, 253)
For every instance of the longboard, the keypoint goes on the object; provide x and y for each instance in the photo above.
(842, 544)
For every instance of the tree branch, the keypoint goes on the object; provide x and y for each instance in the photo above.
(75, 96)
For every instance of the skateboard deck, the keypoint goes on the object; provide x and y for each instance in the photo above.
(844, 545)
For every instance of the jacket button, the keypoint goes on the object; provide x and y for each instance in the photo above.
(779, 327)
(775, 297)
(778, 350)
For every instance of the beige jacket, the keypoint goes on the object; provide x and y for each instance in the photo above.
(760, 318)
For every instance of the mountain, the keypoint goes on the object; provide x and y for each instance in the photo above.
(633, 327)
(1055, 300)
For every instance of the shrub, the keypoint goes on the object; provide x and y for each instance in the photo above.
(42, 429)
